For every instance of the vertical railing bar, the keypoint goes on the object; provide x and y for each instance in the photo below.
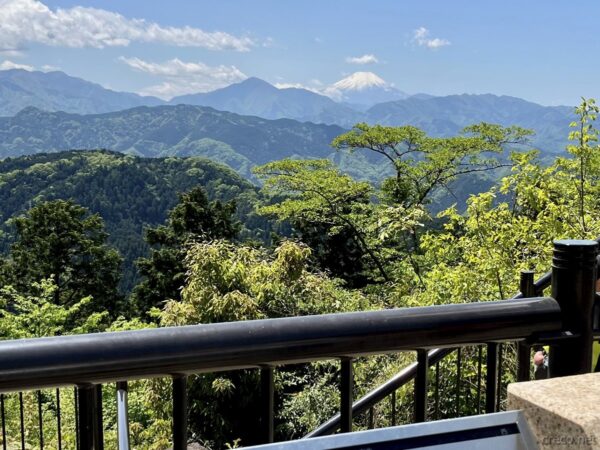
(491, 377)
(268, 403)
(22, 421)
(393, 399)
(527, 288)
(58, 424)
(346, 394)
(499, 386)
(3, 421)
(421, 386)
(89, 434)
(40, 419)
(458, 377)
(479, 364)
(76, 397)
(371, 418)
(523, 361)
(122, 416)
(437, 390)
(99, 417)
(180, 415)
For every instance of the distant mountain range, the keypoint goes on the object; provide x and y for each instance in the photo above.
(183, 130)
(441, 116)
(57, 91)
(258, 98)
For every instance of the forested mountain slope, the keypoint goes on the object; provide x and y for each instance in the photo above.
(128, 192)
(238, 141)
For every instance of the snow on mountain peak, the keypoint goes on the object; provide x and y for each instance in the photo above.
(359, 81)
(363, 88)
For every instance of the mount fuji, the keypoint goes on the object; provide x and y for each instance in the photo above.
(364, 89)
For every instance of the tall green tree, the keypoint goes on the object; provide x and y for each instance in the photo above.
(232, 282)
(317, 198)
(194, 218)
(425, 164)
(61, 241)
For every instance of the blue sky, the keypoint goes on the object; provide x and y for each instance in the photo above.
(546, 52)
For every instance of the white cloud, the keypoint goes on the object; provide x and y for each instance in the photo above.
(314, 89)
(421, 37)
(49, 68)
(7, 65)
(11, 52)
(181, 77)
(30, 21)
(364, 59)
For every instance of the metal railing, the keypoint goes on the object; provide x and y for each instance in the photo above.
(87, 361)
(528, 288)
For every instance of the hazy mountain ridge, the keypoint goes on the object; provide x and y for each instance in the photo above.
(445, 116)
(441, 116)
(183, 130)
(57, 91)
(256, 97)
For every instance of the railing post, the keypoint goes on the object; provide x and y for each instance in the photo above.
(99, 417)
(268, 403)
(421, 386)
(527, 288)
(491, 377)
(122, 416)
(58, 421)
(2, 412)
(574, 268)
(346, 398)
(87, 408)
(180, 416)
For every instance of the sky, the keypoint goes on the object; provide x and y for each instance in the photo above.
(546, 52)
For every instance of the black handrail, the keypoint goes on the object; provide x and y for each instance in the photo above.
(380, 392)
(27, 364)
(407, 374)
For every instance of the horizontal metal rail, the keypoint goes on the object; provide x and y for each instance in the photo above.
(380, 392)
(407, 374)
(27, 364)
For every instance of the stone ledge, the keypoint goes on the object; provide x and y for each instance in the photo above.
(563, 413)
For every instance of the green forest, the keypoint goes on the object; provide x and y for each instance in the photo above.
(95, 241)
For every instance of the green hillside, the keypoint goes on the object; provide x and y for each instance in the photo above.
(238, 141)
(128, 192)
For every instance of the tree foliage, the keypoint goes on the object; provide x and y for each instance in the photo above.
(60, 240)
(375, 247)
(193, 218)
(424, 164)
(315, 193)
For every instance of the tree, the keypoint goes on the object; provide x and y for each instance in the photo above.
(424, 164)
(231, 282)
(193, 218)
(313, 193)
(61, 241)
(36, 314)
(585, 152)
